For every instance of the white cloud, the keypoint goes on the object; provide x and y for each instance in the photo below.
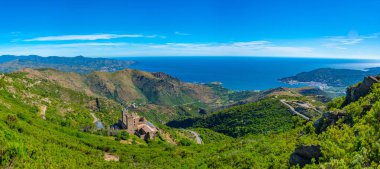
(343, 42)
(253, 48)
(88, 37)
(350, 46)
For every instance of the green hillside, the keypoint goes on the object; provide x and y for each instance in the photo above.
(157, 95)
(28, 140)
(261, 117)
(45, 125)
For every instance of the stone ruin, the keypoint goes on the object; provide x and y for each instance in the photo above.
(134, 124)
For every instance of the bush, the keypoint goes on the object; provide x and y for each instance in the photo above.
(185, 142)
(11, 120)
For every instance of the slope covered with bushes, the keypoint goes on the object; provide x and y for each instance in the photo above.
(28, 140)
(62, 134)
(261, 117)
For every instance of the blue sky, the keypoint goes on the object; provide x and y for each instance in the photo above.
(297, 28)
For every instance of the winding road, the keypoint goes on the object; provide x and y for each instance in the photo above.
(197, 137)
(97, 122)
(283, 101)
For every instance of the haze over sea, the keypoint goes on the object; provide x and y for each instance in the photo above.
(242, 73)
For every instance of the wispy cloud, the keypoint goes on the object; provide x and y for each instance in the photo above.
(252, 48)
(343, 42)
(350, 46)
(182, 34)
(88, 37)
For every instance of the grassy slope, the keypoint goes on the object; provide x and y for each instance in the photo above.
(128, 86)
(28, 141)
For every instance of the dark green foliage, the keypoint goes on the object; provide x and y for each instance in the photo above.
(185, 142)
(335, 103)
(267, 133)
(123, 135)
(262, 117)
(210, 136)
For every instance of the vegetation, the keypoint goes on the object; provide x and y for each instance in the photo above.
(265, 133)
(210, 136)
(79, 64)
(261, 117)
(333, 77)
(155, 95)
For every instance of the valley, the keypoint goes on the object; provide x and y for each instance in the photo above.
(201, 125)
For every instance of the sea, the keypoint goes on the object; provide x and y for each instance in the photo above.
(242, 73)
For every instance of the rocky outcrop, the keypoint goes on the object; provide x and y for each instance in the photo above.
(304, 154)
(162, 75)
(331, 118)
(355, 92)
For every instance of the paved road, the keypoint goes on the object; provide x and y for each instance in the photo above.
(197, 137)
(293, 110)
(97, 122)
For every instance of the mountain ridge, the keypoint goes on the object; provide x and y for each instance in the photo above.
(79, 64)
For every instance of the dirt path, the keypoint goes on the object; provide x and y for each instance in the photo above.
(95, 118)
(283, 101)
(110, 157)
(97, 122)
(42, 112)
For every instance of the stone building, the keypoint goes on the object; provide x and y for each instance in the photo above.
(134, 124)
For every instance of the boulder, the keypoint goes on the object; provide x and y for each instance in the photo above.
(331, 118)
(355, 92)
(303, 155)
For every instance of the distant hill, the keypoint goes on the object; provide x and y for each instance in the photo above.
(331, 77)
(130, 85)
(79, 64)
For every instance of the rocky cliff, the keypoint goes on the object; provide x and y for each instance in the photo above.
(354, 93)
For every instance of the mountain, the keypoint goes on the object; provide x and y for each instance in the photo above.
(79, 64)
(128, 85)
(331, 77)
(157, 95)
